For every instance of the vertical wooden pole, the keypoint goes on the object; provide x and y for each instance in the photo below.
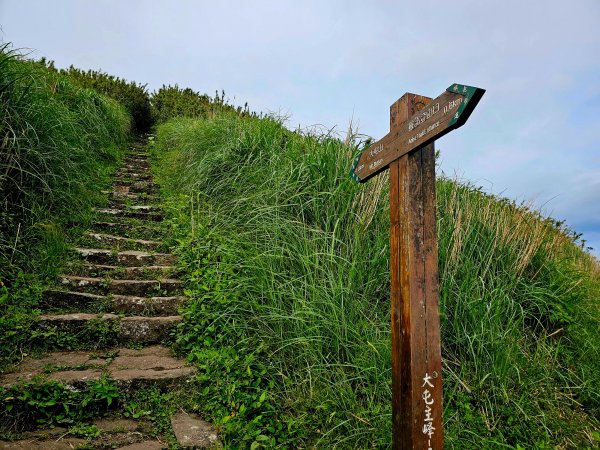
(416, 357)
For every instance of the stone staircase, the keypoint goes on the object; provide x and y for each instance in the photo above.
(124, 282)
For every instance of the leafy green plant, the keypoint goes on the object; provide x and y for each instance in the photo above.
(44, 402)
(18, 307)
(85, 430)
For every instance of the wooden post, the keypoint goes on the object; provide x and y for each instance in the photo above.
(415, 329)
(408, 151)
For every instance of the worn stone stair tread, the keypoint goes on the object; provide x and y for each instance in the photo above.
(116, 272)
(121, 200)
(153, 364)
(148, 209)
(127, 211)
(77, 317)
(124, 273)
(128, 229)
(139, 164)
(144, 445)
(58, 298)
(132, 224)
(194, 433)
(127, 304)
(71, 443)
(66, 443)
(132, 182)
(135, 172)
(139, 329)
(132, 212)
(133, 196)
(164, 306)
(131, 258)
(138, 172)
(147, 329)
(132, 176)
(138, 186)
(117, 240)
(122, 287)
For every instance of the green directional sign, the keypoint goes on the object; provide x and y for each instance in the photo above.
(442, 115)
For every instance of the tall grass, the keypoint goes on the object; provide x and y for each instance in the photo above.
(56, 140)
(58, 144)
(133, 96)
(170, 102)
(286, 260)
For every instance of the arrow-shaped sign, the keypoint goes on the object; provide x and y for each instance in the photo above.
(440, 116)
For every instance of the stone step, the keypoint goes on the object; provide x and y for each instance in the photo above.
(129, 258)
(126, 304)
(130, 368)
(137, 288)
(128, 329)
(148, 209)
(123, 202)
(126, 175)
(114, 433)
(192, 431)
(147, 306)
(123, 273)
(142, 166)
(134, 159)
(131, 182)
(138, 186)
(144, 212)
(142, 230)
(123, 243)
(131, 196)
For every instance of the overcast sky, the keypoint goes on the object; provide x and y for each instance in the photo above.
(533, 137)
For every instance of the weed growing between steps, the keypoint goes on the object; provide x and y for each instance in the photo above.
(17, 314)
(45, 404)
(286, 260)
(51, 403)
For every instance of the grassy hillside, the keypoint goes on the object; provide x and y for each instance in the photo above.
(286, 261)
(133, 96)
(58, 144)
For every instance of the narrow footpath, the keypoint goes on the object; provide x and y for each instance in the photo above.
(118, 301)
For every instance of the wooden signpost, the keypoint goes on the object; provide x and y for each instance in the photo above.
(408, 151)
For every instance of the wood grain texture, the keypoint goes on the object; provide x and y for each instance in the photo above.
(413, 266)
